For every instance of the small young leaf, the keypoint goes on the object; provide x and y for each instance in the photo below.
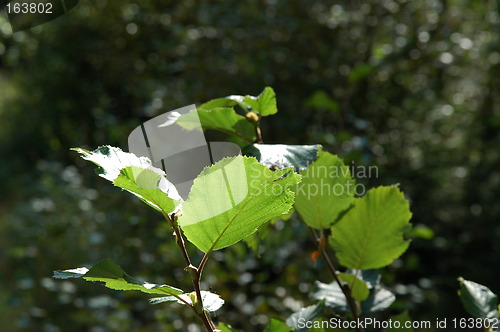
(112, 275)
(136, 175)
(370, 234)
(224, 120)
(231, 199)
(276, 325)
(359, 289)
(478, 300)
(263, 104)
(282, 156)
(307, 314)
(211, 302)
(325, 191)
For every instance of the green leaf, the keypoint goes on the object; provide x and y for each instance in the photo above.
(370, 234)
(229, 101)
(151, 187)
(276, 325)
(325, 191)
(224, 120)
(136, 175)
(263, 104)
(307, 314)
(282, 156)
(359, 289)
(231, 199)
(378, 300)
(478, 300)
(112, 275)
(211, 302)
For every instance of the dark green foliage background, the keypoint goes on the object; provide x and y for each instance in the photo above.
(409, 86)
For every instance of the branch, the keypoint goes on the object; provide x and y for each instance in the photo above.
(193, 272)
(345, 289)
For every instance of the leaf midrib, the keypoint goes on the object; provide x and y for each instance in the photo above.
(229, 224)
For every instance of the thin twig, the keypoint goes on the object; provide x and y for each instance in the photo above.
(178, 237)
(258, 132)
(193, 272)
(202, 263)
(329, 264)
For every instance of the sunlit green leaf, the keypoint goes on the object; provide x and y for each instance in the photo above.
(478, 300)
(112, 275)
(136, 175)
(370, 234)
(150, 186)
(263, 104)
(307, 314)
(224, 120)
(325, 191)
(224, 102)
(231, 199)
(282, 156)
(211, 302)
(359, 289)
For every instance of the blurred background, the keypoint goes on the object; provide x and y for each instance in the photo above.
(411, 87)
